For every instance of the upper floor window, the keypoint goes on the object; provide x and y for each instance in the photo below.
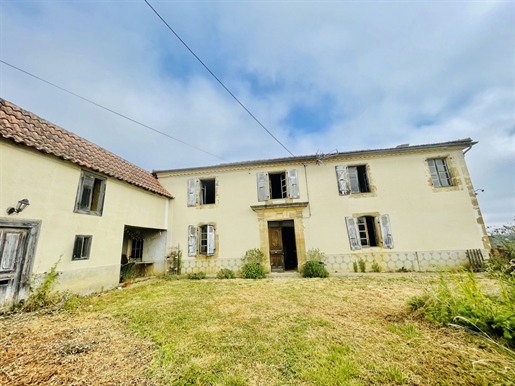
(90, 194)
(352, 179)
(439, 172)
(276, 185)
(206, 189)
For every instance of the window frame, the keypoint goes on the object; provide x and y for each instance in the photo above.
(288, 185)
(85, 248)
(97, 186)
(202, 240)
(435, 172)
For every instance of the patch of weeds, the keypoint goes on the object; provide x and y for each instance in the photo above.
(175, 260)
(197, 275)
(376, 267)
(362, 265)
(402, 269)
(355, 266)
(225, 273)
(460, 300)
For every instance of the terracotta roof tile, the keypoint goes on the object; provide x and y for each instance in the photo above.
(30, 130)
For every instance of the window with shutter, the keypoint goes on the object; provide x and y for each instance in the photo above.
(352, 179)
(207, 240)
(90, 194)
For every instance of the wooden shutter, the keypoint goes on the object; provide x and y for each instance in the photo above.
(262, 179)
(86, 192)
(102, 193)
(293, 184)
(386, 231)
(352, 230)
(192, 240)
(192, 192)
(210, 240)
(343, 182)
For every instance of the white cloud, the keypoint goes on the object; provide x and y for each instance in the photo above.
(391, 73)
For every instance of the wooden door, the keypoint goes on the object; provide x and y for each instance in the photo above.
(275, 238)
(12, 250)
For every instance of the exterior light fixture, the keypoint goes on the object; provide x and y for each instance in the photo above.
(477, 191)
(22, 204)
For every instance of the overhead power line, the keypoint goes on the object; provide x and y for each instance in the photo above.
(112, 111)
(218, 80)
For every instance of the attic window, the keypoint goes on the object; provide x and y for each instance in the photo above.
(90, 194)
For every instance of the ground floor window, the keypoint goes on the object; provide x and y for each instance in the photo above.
(137, 248)
(367, 231)
(82, 247)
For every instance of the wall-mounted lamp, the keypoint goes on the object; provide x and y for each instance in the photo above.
(478, 190)
(22, 204)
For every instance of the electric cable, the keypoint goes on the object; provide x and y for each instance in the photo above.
(112, 111)
(218, 80)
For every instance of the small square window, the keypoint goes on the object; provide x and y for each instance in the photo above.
(82, 247)
(439, 172)
(90, 194)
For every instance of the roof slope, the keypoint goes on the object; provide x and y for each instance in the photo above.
(30, 130)
(406, 148)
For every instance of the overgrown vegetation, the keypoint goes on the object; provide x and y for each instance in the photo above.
(43, 295)
(355, 266)
(459, 299)
(175, 260)
(253, 264)
(362, 265)
(314, 266)
(225, 273)
(376, 267)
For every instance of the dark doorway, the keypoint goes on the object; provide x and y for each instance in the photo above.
(283, 250)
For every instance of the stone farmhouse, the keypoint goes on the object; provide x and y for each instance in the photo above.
(68, 203)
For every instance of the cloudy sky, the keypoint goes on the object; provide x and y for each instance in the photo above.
(320, 75)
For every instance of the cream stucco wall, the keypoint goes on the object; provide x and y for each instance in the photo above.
(50, 184)
(440, 221)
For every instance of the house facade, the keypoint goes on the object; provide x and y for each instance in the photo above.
(69, 203)
(409, 207)
(88, 209)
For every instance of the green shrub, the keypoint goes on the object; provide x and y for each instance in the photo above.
(355, 266)
(197, 276)
(225, 273)
(459, 299)
(314, 269)
(402, 269)
(362, 265)
(253, 271)
(376, 267)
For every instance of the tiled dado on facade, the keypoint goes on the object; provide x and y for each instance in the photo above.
(389, 262)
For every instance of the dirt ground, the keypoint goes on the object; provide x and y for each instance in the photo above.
(62, 349)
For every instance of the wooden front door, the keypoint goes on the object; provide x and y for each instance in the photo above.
(12, 252)
(276, 249)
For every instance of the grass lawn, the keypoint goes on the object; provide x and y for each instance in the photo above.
(354, 330)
